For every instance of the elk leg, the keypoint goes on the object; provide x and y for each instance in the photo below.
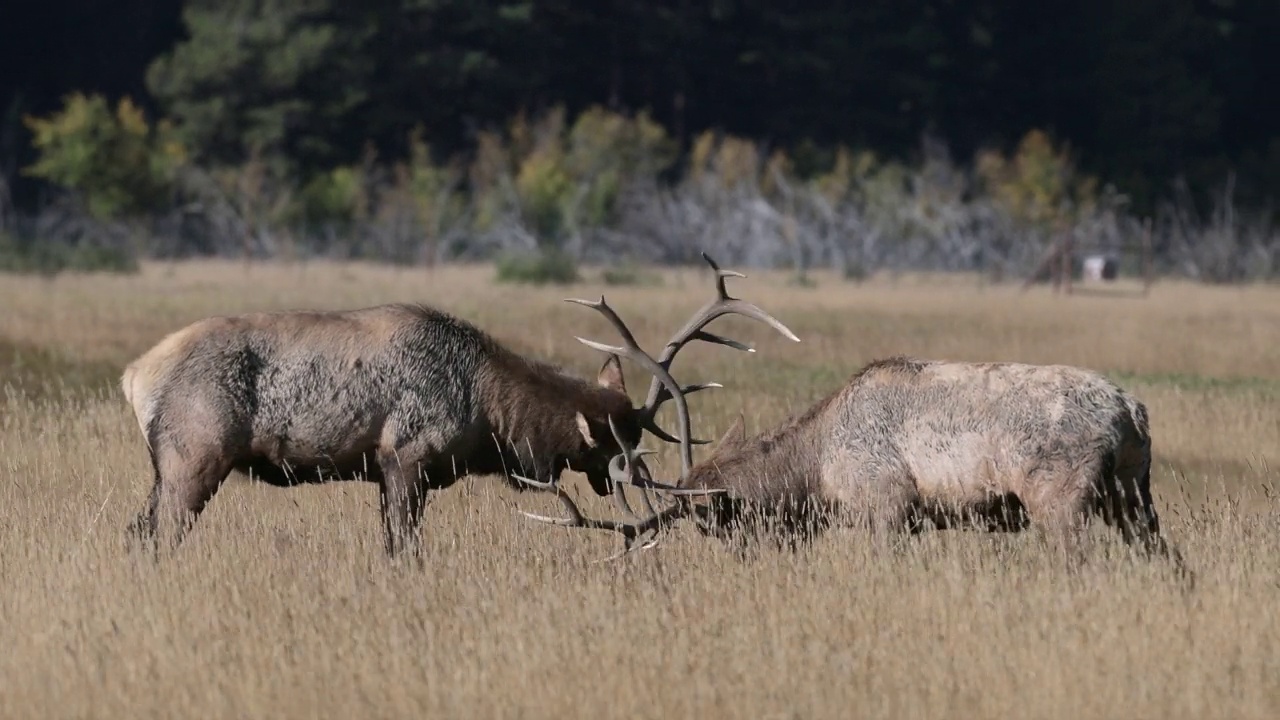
(1060, 521)
(885, 505)
(402, 493)
(143, 528)
(896, 513)
(184, 487)
(1133, 512)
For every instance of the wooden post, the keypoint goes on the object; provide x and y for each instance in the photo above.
(1065, 259)
(1055, 265)
(1148, 272)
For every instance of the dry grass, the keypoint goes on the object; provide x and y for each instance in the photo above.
(281, 604)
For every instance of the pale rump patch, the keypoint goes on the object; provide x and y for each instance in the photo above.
(140, 377)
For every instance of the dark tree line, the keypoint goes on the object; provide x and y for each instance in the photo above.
(1143, 90)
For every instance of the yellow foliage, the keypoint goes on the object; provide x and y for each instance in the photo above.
(563, 176)
(131, 118)
(544, 187)
(1038, 185)
(779, 167)
(737, 162)
(834, 184)
(603, 139)
(118, 161)
(732, 161)
(520, 137)
(848, 173)
(546, 134)
(487, 171)
(700, 154)
(434, 188)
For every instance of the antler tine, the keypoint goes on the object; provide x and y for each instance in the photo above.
(721, 276)
(612, 316)
(620, 475)
(628, 471)
(575, 516)
(623, 470)
(576, 519)
(661, 378)
(722, 304)
(647, 420)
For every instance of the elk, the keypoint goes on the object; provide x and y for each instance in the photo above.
(403, 395)
(994, 446)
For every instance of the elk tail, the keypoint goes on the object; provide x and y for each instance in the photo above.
(1141, 423)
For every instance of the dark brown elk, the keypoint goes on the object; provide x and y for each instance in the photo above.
(998, 446)
(402, 395)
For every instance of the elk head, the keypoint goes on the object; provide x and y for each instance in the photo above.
(705, 497)
(627, 467)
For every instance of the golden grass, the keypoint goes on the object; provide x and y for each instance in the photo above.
(281, 604)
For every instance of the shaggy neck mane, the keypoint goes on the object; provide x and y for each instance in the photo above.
(786, 459)
(534, 404)
(781, 460)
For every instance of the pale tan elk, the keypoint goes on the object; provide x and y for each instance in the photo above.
(402, 395)
(991, 445)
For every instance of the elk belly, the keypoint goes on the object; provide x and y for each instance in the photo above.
(317, 438)
(956, 469)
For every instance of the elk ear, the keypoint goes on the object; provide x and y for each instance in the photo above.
(585, 428)
(736, 435)
(611, 375)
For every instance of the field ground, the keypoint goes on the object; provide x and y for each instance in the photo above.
(281, 604)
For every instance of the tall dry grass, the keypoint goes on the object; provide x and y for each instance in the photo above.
(281, 604)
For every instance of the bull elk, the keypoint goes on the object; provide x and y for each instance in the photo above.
(997, 446)
(403, 395)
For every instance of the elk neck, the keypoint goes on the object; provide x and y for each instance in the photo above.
(783, 461)
(536, 404)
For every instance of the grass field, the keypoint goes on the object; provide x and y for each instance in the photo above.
(281, 603)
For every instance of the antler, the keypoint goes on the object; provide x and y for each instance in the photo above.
(631, 349)
(723, 304)
(623, 470)
(663, 387)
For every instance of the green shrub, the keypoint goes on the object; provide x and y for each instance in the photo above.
(629, 274)
(332, 197)
(605, 150)
(91, 258)
(802, 280)
(122, 165)
(543, 267)
(545, 193)
(438, 201)
(855, 272)
(45, 258)
(19, 257)
(559, 179)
